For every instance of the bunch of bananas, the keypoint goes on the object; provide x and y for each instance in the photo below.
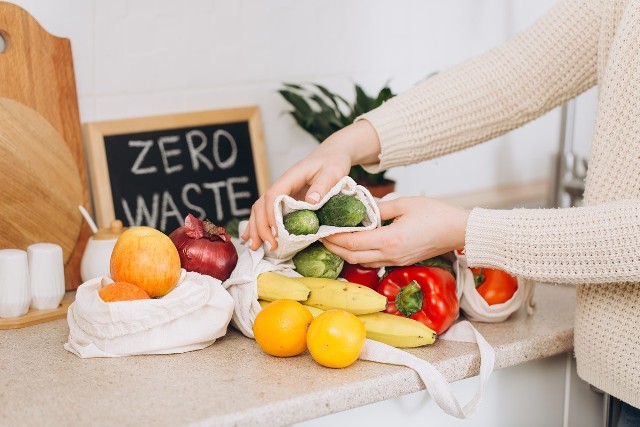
(319, 294)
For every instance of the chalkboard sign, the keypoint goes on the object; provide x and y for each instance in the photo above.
(155, 170)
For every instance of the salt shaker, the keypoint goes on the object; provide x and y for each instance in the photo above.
(46, 274)
(15, 295)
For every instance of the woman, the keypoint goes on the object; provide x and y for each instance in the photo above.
(578, 44)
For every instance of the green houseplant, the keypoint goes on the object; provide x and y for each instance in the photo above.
(321, 112)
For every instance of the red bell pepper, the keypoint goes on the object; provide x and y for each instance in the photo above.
(356, 273)
(425, 294)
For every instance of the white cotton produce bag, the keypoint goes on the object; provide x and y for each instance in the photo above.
(190, 317)
(475, 307)
(242, 286)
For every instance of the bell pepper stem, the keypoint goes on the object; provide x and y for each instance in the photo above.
(409, 299)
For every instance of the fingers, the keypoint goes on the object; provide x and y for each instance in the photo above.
(322, 182)
(362, 257)
(259, 229)
(359, 247)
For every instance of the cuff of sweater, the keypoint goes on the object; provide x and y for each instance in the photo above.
(389, 126)
(484, 245)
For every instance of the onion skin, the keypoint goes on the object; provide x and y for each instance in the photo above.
(205, 248)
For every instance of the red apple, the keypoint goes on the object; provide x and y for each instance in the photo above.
(147, 258)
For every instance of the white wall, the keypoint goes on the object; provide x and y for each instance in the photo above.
(145, 57)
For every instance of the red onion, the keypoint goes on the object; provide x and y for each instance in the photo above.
(205, 248)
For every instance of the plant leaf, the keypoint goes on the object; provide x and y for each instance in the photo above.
(298, 102)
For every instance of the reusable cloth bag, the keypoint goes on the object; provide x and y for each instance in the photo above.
(190, 317)
(242, 286)
(477, 309)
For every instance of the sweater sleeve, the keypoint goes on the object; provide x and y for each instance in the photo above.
(541, 67)
(594, 244)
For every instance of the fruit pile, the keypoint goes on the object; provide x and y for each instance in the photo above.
(144, 264)
(338, 314)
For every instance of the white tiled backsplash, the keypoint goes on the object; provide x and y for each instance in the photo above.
(145, 57)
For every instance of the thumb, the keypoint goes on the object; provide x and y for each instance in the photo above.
(320, 186)
(390, 209)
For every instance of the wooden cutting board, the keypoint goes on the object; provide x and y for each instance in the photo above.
(36, 70)
(41, 187)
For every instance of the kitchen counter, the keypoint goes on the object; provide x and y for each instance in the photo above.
(233, 382)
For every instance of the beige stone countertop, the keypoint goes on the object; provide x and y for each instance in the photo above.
(233, 382)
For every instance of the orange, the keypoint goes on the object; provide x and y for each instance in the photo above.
(122, 291)
(335, 338)
(280, 328)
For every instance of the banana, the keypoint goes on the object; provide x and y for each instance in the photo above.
(315, 312)
(273, 286)
(396, 330)
(328, 293)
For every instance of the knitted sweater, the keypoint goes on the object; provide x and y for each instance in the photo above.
(578, 44)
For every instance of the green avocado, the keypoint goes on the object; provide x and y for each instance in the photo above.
(342, 210)
(301, 222)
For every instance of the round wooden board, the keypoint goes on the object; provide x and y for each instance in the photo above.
(40, 186)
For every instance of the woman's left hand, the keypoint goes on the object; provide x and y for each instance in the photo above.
(422, 228)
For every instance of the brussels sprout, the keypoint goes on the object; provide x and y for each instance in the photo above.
(316, 261)
(342, 210)
(301, 222)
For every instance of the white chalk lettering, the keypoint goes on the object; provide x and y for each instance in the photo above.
(169, 209)
(231, 160)
(185, 199)
(195, 152)
(235, 195)
(165, 154)
(143, 216)
(146, 146)
(215, 188)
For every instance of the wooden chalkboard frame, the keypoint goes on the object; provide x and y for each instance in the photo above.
(95, 133)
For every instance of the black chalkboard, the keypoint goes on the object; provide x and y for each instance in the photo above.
(157, 170)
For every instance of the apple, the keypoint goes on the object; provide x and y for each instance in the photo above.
(147, 258)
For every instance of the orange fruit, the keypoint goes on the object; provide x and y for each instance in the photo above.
(280, 328)
(122, 291)
(335, 338)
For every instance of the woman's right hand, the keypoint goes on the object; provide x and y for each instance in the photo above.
(314, 175)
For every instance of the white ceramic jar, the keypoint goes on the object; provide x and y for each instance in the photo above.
(97, 255)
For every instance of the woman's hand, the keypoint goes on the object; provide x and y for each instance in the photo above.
(313, 176)
(422, 228)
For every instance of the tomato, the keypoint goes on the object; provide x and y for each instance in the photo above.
(495, 286)
(355, 273)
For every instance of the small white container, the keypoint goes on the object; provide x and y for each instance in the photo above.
(97, 255)
(46, 273)
(15, 295)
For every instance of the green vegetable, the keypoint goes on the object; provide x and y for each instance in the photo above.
(301, 222)
(232, 226)
(342, 210)
(317, 261)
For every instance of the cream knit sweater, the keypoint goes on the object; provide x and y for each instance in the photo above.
(576, 45)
